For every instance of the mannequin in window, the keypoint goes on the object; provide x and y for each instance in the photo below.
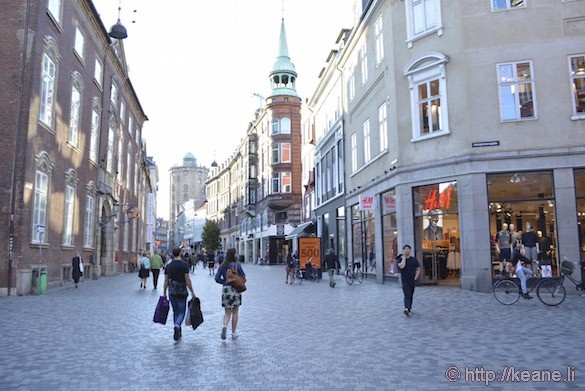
(504, 246)
(433, 231)
(544, 247)
(529, 245)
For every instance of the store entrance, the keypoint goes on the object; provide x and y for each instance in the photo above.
(437, 233)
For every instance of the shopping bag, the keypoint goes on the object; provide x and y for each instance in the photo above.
(162, 311)
(195, 317)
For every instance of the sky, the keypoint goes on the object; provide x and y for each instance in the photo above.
(196, 65)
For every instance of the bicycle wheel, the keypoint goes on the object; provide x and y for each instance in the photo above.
(506, 292)
(359, 275)
(299, 277)
(551, 292)
(348, 277)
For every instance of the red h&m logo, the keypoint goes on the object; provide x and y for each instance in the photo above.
(367, 203)
(436, 200)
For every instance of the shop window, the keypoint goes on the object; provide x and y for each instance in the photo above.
(389, 230)
(363, 239)
(580, 193)
(437, 231)
(520, 205)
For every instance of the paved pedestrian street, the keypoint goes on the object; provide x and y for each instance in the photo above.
(302, 337)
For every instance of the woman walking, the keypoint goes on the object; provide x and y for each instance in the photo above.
(230, 298)
(76, 268)
(143, 270)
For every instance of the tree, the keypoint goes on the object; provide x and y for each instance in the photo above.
(210, 236)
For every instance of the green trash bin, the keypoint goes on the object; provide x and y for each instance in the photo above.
(40, 281)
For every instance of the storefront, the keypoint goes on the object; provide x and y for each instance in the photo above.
(389, 231)
(363, 234)
(580, 195)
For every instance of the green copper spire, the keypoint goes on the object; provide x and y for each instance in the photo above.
(283, 76)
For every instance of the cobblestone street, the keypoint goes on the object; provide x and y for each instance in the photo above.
(302, 337)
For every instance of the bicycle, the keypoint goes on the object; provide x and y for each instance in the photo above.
(297, 276)
(567, 268)
(355, 274)
(550, 291)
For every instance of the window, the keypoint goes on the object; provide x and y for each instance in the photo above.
(275, 183)
(40, 201)
(110, 152)
(186, 188)
(47, 91)
(120, 154)
(128, 166)
(114, 95)
(366, 135)
(382, 127)
(286, 182)
(98, 72)
(379, 39)
(281, 182)
(354, 152)
(68, 215)
(364, 62)
(79, 42)
(577, 70)
(95, 132)
(54, 7)
(516, 90)
(130, 124)
(88, 229)
(427, 78)
(285, 125)
(499, 5)
(74, 117)
(122, 112)
(275, 126)
(126, 237)
(423, 17)
(350, 83)
(281, 153)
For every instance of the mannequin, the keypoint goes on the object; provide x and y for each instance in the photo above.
(503, 246)
(544, 248)
(433, 231)
(529, 245)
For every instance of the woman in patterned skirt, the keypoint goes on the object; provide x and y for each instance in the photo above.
(230, 298)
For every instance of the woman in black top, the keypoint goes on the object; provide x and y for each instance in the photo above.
(230, 298)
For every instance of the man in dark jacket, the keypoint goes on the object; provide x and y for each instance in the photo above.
(331, 261)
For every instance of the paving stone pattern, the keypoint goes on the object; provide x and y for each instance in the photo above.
(302, 337)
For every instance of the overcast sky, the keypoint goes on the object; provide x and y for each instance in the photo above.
(195, 66)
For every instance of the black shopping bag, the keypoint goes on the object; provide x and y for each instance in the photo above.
(162, 311)
(195, 314)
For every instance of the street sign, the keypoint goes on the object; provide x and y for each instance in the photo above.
(41, 229)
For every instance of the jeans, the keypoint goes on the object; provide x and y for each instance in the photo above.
(331, 280)
(179, 305)
(523, 274)
(408, 289)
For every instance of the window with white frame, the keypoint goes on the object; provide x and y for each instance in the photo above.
(285, 125)
(500, 5)
(382, 127)
(111, 146)
(428, 93)
(286, 182)
(126, 238)
(128, 166)
(114, 95)
(54, 8)
(577, 71)
(74, 117)
(79, 42)
(68, 217)
(89, 217)
(40, 201)
(136, 177)
(354, 161)
(350, 83)
(130, 124)
(367, 141)
(364, 62)
(47, 91)
(95, 132)
(120, 154)
(516, 91)
(275, 182)
(379, 39)
(98, 72)
(281, 153)
(122, 111)
(423, 17)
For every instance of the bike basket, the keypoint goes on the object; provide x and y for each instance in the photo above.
(567, 267)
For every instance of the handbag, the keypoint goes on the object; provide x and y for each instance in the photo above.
(177, 288)
(394, 268)
(162, 311)
(195, 317)
(236, 280)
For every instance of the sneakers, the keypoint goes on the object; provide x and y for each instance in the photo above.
(406, 312)
(234, 336)
(177, 333)
(526, 296)
(223, 332)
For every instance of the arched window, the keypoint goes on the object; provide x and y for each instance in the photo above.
(43, 172)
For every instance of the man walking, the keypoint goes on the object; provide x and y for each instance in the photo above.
(409, 271)
(331, 261)
(177, 281)
(156, 263)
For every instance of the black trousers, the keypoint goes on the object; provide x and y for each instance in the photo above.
(408, 289)
(155, 273)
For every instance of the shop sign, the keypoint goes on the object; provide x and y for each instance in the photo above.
(389, 202)
(367, 202)
(436, 200)
(310, 250)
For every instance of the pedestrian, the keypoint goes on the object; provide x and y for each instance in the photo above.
(231, 300)
(156, 263)
(76, 268)
(211, 262)
(409, 271)
(177, 274)
(143, 270)
(331, 261)
(290, 269)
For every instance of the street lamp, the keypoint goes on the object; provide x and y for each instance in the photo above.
(105, 219)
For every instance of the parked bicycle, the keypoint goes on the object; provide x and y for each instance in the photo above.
(354, 274)
(311, 273)
(549, 290)
(298, 275)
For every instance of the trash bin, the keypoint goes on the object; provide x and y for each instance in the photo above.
(23, 281)
(39, 277)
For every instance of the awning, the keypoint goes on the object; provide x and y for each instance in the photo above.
(299, 229)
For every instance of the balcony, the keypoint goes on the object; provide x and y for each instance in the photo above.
(280, 201)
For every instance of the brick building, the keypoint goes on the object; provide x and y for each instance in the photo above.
(74, 176)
